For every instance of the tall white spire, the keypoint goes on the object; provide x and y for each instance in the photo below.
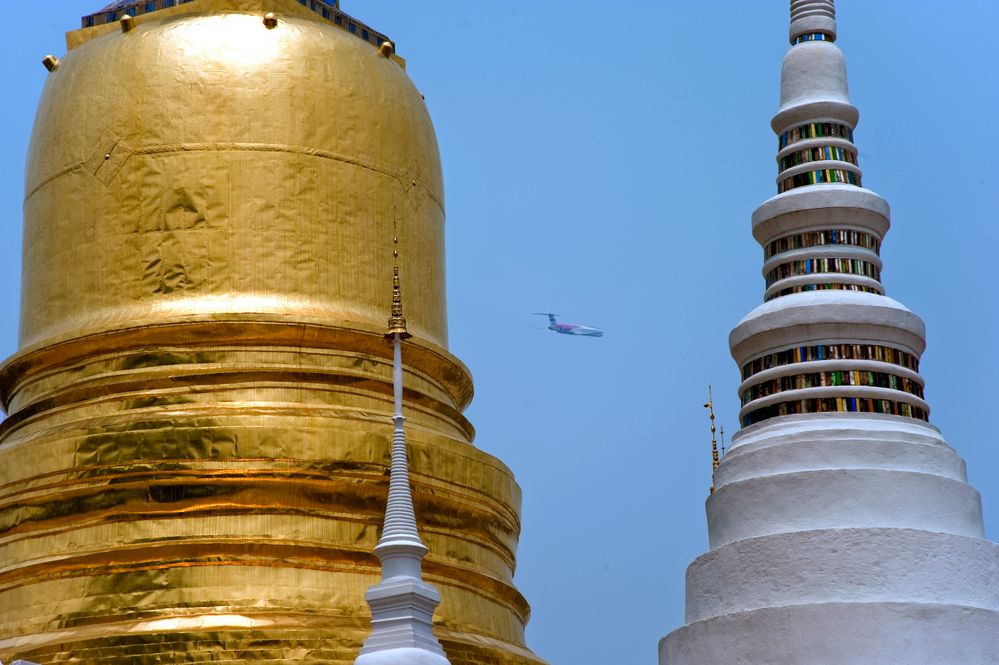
(402, 604)
(842, 528)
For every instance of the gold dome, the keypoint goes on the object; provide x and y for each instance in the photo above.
(208, 164)
(195, 460)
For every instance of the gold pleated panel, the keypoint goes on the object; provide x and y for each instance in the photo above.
(203, 164)
(194, 466)
(141, 499)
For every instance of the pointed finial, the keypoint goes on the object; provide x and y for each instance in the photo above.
(812, 20)
(710, 406)
(397, 323)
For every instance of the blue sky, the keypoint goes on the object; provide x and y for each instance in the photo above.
(602, 161)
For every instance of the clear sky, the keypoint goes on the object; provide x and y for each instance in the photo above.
(602, 160)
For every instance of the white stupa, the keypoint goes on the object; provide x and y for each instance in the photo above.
(842, 528)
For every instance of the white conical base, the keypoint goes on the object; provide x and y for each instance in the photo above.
(846, 540)
(840, 634)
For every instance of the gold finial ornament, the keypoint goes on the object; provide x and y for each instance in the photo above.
(270, 20)
(710, 406)
(397, 323)
(51, 62)
(386, 49)
(127, 22)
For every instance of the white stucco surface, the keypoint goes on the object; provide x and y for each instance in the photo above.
(844, 565)
(812, 16)
(831, 198)
(841, 453)
(402, 656)
(807, 427)
(833, 316)
(840, 499)
(811, 72)
(840, 634)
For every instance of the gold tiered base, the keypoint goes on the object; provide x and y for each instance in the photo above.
(165, 499)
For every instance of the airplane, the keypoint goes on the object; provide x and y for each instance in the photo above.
(570, 328)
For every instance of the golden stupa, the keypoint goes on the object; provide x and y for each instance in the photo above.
(194, 466)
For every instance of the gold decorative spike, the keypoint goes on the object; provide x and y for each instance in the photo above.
(710, 406)
(397, 323)
(386, 49)
(51, 62)
(270, 21)
(127, 23)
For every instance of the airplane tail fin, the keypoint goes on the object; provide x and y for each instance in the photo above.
(551, 317)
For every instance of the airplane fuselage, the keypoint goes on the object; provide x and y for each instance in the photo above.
(570, 328)
(573, 329)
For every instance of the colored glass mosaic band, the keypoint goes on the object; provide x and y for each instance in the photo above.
(843, 266)
(814, 130)
(831, 286)
(812, 37)
(824, 237)
(817, 154)
(817, 178)
(801, 354)
(835, 405)
(832, 378)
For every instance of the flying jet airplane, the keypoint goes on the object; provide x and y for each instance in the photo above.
(570, 328)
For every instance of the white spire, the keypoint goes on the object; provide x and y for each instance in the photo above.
(402, 605)
(400, 518)
(813, 17)
(842, 528)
